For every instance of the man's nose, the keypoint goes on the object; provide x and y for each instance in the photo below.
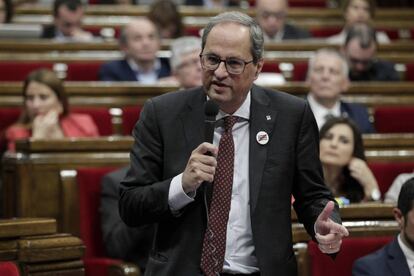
(221, 71)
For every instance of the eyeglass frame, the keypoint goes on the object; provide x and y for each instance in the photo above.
(225, 63)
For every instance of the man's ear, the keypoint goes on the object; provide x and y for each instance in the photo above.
(259, 67)
(398, 217)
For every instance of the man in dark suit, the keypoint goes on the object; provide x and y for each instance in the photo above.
(140, 42)
(174, 174)
(360, 49)
(272, 16)
(327, 80)
(396, 258)
(67, 22)
(122, 242)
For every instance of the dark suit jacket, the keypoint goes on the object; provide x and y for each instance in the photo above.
(359, 115)
(120, 241)
(171, 126)
(294, 32)
(49, 31)
(119, 70)
(380, 70)
(388, 261)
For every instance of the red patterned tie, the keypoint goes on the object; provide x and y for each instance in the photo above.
(214, 244)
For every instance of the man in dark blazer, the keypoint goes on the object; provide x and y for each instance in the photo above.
(396, 258)
(172, 174)
(327, 80)
(67, 22)
(140, 42)
(360, 49)
(122, 242)
(272, 16)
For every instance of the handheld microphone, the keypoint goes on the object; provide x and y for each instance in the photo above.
(211, 110)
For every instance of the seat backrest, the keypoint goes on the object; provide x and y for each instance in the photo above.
(101, 116)
(130, 116)
(20, 69)
(9, 269)
(89, 192)
(351, 249)
(394, 119)
(386, 172)
(409, 68)
(83, 71)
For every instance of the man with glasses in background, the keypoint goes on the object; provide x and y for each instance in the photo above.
(272, 16)
(360, 49)
(214, 167)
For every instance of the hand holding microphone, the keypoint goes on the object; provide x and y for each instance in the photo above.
(202, 163)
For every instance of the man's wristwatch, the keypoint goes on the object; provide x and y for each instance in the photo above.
(375, 194)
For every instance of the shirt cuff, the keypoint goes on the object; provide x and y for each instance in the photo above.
(177, 198)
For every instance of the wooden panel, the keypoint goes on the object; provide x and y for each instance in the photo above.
(26, 227)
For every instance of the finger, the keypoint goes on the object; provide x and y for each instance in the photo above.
(340, 229)
(327, 211)
(328, 238)
(205, 148)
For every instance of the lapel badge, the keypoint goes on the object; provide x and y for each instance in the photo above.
(268, 117)
(262, 137)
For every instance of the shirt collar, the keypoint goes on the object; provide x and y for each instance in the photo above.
(408, 252)
(321, 110)
(136, 68)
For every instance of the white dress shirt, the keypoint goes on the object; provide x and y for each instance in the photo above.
(145, 77)
(320, 112)
(408, 253)
(239, 256)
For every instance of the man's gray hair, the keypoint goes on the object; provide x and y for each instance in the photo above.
(256, 33)
(364, 33)
(331, 52)
(183, 46)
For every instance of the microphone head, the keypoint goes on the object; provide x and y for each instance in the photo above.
(211, 109)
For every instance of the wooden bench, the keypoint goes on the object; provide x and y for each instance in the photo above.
(31, 180)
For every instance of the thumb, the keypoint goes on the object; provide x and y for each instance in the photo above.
(327, 211)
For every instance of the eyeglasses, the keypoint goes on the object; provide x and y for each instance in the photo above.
(234, 66)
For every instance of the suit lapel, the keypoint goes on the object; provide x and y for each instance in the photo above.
(396, 260)
(192, 119)
(262, 118)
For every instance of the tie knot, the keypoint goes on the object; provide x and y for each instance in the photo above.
(229, 122)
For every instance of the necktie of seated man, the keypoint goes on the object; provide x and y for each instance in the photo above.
(214, 244)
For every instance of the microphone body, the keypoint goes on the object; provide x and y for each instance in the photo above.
(210, 111)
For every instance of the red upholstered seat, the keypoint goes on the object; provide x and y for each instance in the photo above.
(351, 249)
(386, 172)
(409, 73)
(83, 71)
(323, 32)
(89, 191)
(300, 70)
(271, 67)
(101, 117)
(130, 116)
(394, 119)
(18, 71)
(9, 269)
(307, 3)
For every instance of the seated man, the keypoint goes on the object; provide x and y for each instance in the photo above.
(271, 16)
(67, 20)
(327, 79)
(392, 194)
(122, 242)
(140, 42)
(185, 62)
(360, 49)
(396, 258)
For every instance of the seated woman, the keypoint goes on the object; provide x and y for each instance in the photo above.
(343, 160)
(357, 11)
(46, 112)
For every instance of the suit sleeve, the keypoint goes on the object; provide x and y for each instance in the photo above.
(121, 241)
(106, 73)
(144, 192)
(360, 268)
(310, 192)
